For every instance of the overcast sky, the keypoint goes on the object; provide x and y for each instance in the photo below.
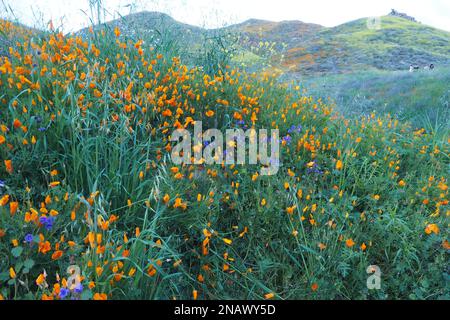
(216, 13)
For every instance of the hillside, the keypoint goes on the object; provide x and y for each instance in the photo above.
(353, 46)
(152, 26)
(309, 49)
(11, 32)
(284, 32)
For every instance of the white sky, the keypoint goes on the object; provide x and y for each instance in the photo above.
(216, 13)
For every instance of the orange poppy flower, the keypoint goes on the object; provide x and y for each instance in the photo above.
(57, 254)
(349, 243)
(9, 167)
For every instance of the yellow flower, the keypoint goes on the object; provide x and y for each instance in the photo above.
(290, 210)
(4, 200)
(402, 183)
(339, 165)
(227, 241)
(263, 202)
(12, 273)
(432, 228)
(268, 296)
(178, 176)
(40, 279)
(179, 204)
(291, 173)
(99, 271)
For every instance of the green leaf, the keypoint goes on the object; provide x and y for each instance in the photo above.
(4, 276)
(18, 266)
(86, 295)
(29, 263)
(17, 251)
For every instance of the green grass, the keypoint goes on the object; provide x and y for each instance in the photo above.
(421, 97)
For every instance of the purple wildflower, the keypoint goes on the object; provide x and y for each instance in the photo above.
(29, 238)
(63, 293)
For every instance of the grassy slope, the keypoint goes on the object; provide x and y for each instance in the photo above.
(10, 31)
(422, 97)
(353, 46)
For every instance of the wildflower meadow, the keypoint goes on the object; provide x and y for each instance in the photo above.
(92, 205)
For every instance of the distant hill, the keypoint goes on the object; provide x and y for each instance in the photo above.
(310, 49)
(354, 46)
(156, 28)
(283, 32)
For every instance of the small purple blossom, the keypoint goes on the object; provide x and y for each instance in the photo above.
(287, 139)
(314, 169)
(47, 222)
(294, 128)
(78, 288)
(29, 238)
(63, 293)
